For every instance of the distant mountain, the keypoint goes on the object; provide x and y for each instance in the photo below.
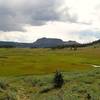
(94, 43)
(51, 42)
(71, 43)
(40, 43)
(47, 42)
(7, 44)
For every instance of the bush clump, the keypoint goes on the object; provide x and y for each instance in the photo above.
(58, 80)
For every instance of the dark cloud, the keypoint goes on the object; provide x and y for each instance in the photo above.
(14, 14)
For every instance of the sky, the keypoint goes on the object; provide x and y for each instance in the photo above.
(28, 20)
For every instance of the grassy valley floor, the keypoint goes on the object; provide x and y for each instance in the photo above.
(15, 62)
(26, 72)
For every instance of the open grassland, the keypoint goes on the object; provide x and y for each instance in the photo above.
(77, 86)
(24, 73)
(16, 61)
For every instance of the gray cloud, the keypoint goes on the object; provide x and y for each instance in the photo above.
(15, 14)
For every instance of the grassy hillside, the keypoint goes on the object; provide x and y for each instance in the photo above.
(44, 61)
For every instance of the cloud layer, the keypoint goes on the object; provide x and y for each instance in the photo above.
(15, 14)
(66, 19)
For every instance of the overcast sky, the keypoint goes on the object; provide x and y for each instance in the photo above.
(28, 20)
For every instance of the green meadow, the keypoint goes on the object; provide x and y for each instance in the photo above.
(26, 72)
(15, 61)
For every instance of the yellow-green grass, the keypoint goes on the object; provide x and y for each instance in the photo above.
(17, 61)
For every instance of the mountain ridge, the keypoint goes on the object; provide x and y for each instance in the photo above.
(45, 43)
